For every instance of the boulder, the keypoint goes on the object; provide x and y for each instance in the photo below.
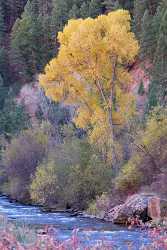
(135, 205)
(154, 208)
(163, 207)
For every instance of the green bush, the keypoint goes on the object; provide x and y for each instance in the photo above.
(99, 206)
(129, 179)
(45, 189)
(88, 182)
(71, 177)
(149, 155)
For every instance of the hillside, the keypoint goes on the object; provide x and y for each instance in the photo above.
(83, 103)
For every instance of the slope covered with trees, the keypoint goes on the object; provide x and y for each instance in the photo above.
(86, 137)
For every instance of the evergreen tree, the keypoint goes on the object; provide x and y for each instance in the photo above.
(59, 14)
(139, 10)
(3, 93)
(116, 4)
(147, 36)
(158, 87)
(84, 10)
(2, 25)
(13, 118)
(144, 12)
(127, 4)
(141, 90)
(14, 10)
(95, 7)
(4, 61)
(111, 5)
(29, 49)
(74, 12)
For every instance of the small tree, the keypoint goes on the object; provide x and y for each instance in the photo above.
(21, 158)
(45, 188)
(141, 90)
(149, 154)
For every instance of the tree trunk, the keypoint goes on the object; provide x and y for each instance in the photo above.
(112, 103)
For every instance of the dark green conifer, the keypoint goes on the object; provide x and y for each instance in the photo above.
(84, 10)
(74, 13)
(31, 41)
(158, 87)
(95, 8)
(141, 90)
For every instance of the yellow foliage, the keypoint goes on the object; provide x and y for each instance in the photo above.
(92, 53)
(149, 154)
(130, 177)
(44, 185)
(156, 128)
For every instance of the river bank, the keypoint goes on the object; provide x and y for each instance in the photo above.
(88, 230)
(144, 207)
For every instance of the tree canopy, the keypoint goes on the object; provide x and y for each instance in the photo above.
(91, 73)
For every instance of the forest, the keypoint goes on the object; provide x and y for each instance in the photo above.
(83, 102)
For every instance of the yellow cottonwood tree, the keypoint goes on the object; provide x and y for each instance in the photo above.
(90, 72)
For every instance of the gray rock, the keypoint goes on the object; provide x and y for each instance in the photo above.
(135, 205)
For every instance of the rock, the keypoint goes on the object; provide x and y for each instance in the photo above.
(114, 213)
(135, 205)
(75, 214)
(49, 209)
(163, 207)
(154, 209)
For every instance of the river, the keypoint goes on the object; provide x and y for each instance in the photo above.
(90, 230)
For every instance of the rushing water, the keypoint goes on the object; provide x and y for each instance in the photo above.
(90, 230)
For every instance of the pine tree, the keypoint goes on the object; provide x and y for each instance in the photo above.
(3, 93)
(84, 10)
(74, 12)
(95, 7)
(59, 14)
(139, 10)
(2, 25)
(32, 8)
(158, 87)
(4, 62)
(141, 90)
(147, 36)
(111, 5)
(144, 12)
(127, 4)
(15, 8)
(45, 7)
(31, 43)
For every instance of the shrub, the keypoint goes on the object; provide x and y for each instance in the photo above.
(21, 158)
(71, 176)
(129, 179)
(86, 182)
(99, 206)
(149, 154)
(45, 187)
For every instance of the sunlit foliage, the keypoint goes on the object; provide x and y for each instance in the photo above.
(90, 72)
(149, 156)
